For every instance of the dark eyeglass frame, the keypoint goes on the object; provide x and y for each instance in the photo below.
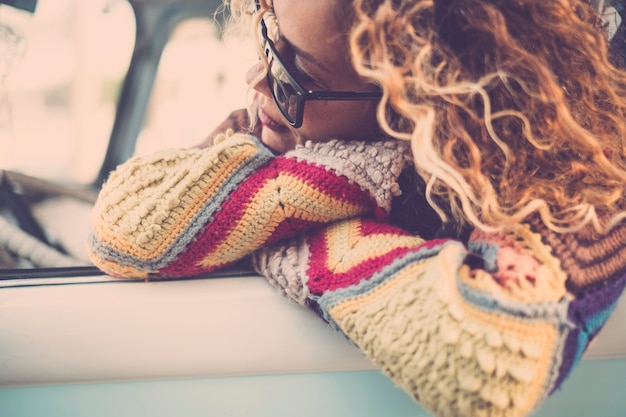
(302, 94)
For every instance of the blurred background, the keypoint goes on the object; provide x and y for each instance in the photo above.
(62, 69)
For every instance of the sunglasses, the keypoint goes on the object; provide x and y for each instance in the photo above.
(288, 93)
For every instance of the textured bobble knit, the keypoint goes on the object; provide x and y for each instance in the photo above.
(487, 328)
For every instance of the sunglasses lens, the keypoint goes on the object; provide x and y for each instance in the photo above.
(284, 94)
(281, 83)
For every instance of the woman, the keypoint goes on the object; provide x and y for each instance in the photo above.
(511, 115)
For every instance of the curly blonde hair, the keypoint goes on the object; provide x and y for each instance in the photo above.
(512, 107)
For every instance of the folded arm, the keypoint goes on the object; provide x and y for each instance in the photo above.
(183, 212)
(487, 329)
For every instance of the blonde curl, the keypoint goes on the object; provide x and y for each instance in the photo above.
(512, 107)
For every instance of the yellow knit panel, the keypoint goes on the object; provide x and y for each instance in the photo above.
(346, 238)
(137, 217)
(455, 359)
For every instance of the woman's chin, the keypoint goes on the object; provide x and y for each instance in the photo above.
(278, 142)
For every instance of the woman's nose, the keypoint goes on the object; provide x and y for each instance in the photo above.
(255, 78)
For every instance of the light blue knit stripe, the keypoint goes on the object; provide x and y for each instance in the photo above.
(488, 252)
(551, 311)
(591, 327)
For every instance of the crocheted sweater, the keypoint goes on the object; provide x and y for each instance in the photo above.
(485, 328)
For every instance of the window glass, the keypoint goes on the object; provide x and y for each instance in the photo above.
(200, 80)
(61, 70)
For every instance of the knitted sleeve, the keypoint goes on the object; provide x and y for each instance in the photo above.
(183, 212)
(487, 329)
